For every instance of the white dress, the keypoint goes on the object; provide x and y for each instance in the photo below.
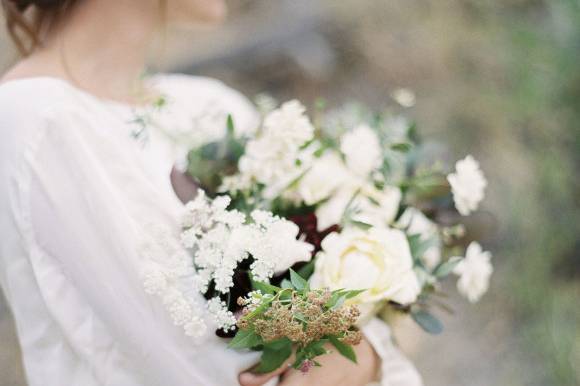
(80, 187)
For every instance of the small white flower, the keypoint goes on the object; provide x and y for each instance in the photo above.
(474, 272)
(224, 318)
(467, 185)
(404, 96)
(362, 150)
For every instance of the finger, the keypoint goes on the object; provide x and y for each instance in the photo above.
(251, 379)
(248, 378)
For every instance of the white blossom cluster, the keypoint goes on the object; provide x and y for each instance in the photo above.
(220, 239)
(273, 156)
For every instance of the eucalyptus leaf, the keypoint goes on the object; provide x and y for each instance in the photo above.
(427, 322)
(447, 267)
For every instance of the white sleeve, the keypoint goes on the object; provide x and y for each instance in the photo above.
(396, 369)
(85, 244)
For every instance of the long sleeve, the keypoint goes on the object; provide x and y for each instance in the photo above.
(395, 370)
(83, 206)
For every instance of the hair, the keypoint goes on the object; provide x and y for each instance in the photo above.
(27, 20)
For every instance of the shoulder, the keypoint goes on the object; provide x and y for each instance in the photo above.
(32, 95)
(26, 104)
(27, 108)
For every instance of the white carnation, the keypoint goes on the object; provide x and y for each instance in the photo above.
(362, 150)
(474, 272)
(467, 185)
(272, 158)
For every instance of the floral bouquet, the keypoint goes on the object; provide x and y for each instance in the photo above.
(317, 227)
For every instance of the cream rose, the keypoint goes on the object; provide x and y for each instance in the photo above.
(378, 260)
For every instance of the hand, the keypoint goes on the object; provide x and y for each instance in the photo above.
(335, 371)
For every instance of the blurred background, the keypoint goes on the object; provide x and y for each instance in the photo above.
(499, 79)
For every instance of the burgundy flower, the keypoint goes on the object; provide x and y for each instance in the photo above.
(308, 224)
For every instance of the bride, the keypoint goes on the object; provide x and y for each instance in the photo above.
(80, 184)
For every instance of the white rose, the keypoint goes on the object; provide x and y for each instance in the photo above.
(325, 176)
(467, 185)
(362, 150)
(474, 272)
(416, 223)
(378, 260)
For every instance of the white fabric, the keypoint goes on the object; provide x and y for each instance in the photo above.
(77, 195)
(396, 369)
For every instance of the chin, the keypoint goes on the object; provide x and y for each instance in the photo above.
(197, 11)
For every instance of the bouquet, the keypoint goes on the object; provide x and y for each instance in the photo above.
(305, 229)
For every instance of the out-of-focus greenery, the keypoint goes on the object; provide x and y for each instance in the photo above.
(543, 101)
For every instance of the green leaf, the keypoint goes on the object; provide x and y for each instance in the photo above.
(402, 147)
(230, 126)
(352, 293)
(298, 281)
(360, 224)
(317, 347)
(245, 339)
(427, 322)
(419, 247)
(344, 349)
(286, 284)
(274, 355)
(307, 270)
(265, 288)
(300, 317)
(266, 300)
(333, 299)
(447, 267)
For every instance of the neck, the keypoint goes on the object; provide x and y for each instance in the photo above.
(101, 46)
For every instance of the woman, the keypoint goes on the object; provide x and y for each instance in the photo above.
(80, 185)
